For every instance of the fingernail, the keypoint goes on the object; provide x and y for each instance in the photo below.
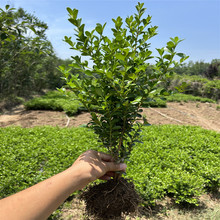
(123, 166)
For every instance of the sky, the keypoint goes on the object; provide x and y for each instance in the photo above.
(195, 21)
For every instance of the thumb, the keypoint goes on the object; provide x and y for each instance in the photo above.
(112, 166)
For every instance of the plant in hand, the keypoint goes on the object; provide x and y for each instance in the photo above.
(118, 85)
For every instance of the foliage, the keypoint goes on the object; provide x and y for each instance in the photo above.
(9, 102)
(179, 97)
(200, 68)
(213, 69)
(117, 83)
(28, 156)
(56, 101)
(27, 60)
(177, 161)
(197, 68)
(197, 86)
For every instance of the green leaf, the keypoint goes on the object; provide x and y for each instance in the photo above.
(170, 44)
(88, 72)
(120, 56)
(62, 67)
(132, 76)
(94, 117)
(109, 75)
(69, 10)
(183, 59)
(160, 51)
(4, 36)
(99, 28)
(88, 34)
(98, 91)
(168, 57)
(164, 92)
(75, 13)
(7, 7)
(180, 55)
(73, 21)
(137, 100)
(175, 39)
(119, 37)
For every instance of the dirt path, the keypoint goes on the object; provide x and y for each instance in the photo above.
(201, 114)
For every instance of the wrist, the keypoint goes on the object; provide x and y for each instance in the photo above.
(79, 177)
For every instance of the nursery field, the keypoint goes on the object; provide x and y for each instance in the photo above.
(173, 159)
(175, 170)
(176, 163)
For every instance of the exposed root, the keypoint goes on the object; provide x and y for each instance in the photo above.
(111, 199)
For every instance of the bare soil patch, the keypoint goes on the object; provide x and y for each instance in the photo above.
(199, 114)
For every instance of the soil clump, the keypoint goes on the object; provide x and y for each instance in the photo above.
(111, 199)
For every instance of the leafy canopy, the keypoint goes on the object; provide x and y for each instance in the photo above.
(24, 52)
(117, 83)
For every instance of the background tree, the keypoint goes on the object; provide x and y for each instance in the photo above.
(26, 56)
(213, 69)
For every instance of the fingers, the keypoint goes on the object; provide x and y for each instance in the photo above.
(111, 166)
(105, 157)
(107, 176)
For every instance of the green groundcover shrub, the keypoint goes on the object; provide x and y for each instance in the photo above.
(179, 97)
(198, 86)
(55, 101)
(177, 161)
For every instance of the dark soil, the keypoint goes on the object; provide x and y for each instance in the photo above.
(111, 199)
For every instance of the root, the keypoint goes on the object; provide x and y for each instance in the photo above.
(111, 199)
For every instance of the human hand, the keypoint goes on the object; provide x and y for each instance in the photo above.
(97, 165)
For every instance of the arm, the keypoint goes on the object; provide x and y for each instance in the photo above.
(40, 200)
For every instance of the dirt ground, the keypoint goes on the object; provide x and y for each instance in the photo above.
(200, 114)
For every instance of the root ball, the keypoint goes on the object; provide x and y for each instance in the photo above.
(111, 199)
